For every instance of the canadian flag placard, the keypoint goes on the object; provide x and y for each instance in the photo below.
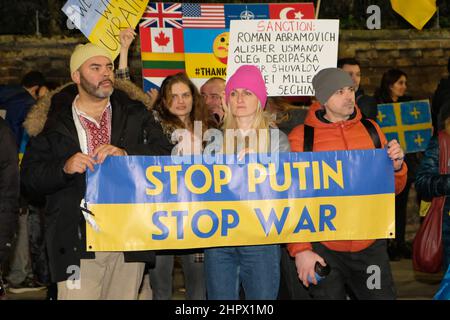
(163, 40)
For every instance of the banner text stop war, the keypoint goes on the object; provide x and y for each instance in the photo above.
(143, 203)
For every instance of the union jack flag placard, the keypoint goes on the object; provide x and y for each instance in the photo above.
(163, 15)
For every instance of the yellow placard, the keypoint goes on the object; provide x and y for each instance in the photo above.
(204, 65)
(117, 15)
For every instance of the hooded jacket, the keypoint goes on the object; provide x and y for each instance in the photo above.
(53, 140)
(16, 101)
(343, 135)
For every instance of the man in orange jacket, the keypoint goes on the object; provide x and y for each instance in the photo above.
(336, 123)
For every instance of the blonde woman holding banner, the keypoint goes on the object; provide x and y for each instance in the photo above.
(256, 268)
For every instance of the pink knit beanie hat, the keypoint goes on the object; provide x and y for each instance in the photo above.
(250, 78)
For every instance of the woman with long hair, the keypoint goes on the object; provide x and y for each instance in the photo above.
(392, 87)
(178, 105)
(257, 267)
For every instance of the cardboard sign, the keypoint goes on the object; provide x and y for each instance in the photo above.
(288, 52)
(101, 20)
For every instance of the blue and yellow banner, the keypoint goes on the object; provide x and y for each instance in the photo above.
(143, 202)
(407, 122)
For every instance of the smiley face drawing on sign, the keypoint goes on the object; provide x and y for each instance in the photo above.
(220, 47)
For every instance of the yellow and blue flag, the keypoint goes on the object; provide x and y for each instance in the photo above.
(407, 122)
(206, 58)
(23, 145)
(416, 12)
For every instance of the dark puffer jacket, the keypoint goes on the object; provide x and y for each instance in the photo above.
(9, 188)
(17, 102)
(53, 140)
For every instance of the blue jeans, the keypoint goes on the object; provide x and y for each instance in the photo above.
(257, 268)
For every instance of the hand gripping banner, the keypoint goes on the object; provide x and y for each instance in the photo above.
(150, 202)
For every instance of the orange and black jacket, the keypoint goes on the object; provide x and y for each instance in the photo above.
(344, 135)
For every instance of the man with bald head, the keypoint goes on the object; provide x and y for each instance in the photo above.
(211, 92)
(86, 123)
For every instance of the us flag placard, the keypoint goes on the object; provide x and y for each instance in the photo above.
(196, 15)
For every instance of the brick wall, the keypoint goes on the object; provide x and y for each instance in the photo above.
(422, 55)
(20, 54)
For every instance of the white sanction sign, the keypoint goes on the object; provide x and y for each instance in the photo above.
(288, 52)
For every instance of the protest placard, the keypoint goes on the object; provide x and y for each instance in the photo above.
(288, 52)
(205, 29)
(101, 21)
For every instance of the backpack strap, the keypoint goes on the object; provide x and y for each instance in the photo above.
(308, 138)
(308, 135)
(372, 132)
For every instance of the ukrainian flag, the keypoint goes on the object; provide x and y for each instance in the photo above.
(23, 145)
(200, 56)
(407, 122)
